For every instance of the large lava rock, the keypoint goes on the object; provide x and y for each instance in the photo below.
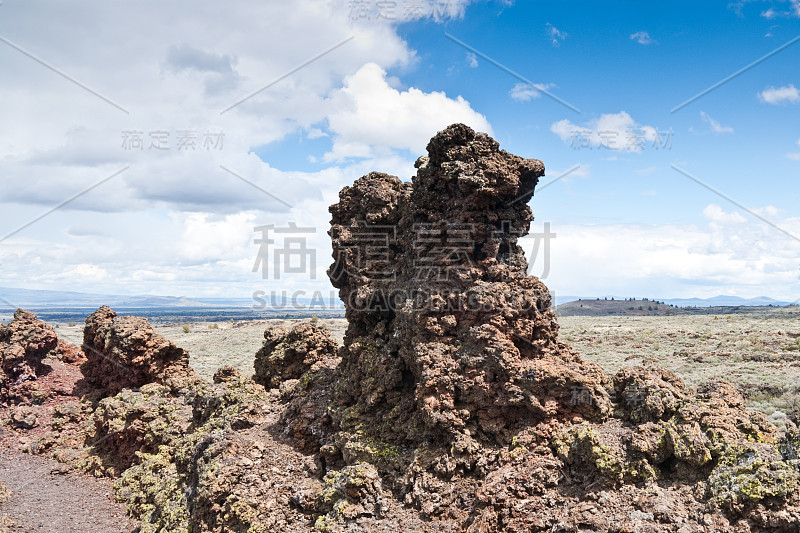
(125, 352)
(448, 336)
(289, 353)
(454, 386)
(24, 343)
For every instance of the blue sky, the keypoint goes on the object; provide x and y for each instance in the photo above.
(600, 69)
(386, 77)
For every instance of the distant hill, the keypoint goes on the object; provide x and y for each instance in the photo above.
(602, 307)
(724, 301)
(36, 299)
(43, 299)
(63, 306)
(693, 306)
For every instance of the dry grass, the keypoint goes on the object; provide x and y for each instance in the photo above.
(757, 352)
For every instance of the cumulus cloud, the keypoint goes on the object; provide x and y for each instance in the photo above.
(556, 35)
(788, 94)
(793, 10)
(716, 127)
(614, 131)
(365, 107)
(184, 56)
(472, 60)
(523, 92)
(727, 253)
(769, 14)
(778, 8)
(642, 37)
(206, 237)
(175, 221)
(401, 10)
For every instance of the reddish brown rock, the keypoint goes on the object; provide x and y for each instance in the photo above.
(447, 335)
(125, 352)
(69, 353)
(288, 354)
(454, 385)
(24, 343)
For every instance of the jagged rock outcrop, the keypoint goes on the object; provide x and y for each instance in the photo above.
(454, 386)
(125, 352)
(287, 354)
(454, 406)
(24, 343)
(448, 338)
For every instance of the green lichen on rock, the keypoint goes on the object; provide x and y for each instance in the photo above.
(360, 446)
(582, 444)
(288, 354)
(751, 474)
(152, 492)
(188, 481)
(135, 421)
(688, 443)
(347, 494)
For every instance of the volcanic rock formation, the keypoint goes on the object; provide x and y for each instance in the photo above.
(288, 354)
(453, 407)
(24, 343)
(454, 385)
(125, 352)
(448, 338)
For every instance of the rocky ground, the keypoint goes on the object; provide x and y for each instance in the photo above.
(44, 496)
(214, 344)
(757, 352)
(452, 401)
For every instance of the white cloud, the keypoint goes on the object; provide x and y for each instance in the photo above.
(787, 94)
(715, 213)
(523, 92)
(614, 131)
(370, 118)
(769, 14)
(555, 34)
(472, 60)
(205, 237)
(716, 127)
(175, 222)
(89, 271)
(794, 156)
(642, 37)
(776, 10)
(793, 11)
(731, 253)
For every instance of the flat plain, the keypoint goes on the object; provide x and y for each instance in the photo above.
(759, 352)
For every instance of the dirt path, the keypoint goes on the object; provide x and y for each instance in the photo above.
(44, 500)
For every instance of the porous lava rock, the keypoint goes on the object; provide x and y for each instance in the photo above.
(448, 337)
(289, 353)
(69, 353)
(453, 407)
(125, 352)
(24, 343)
(454, 386)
